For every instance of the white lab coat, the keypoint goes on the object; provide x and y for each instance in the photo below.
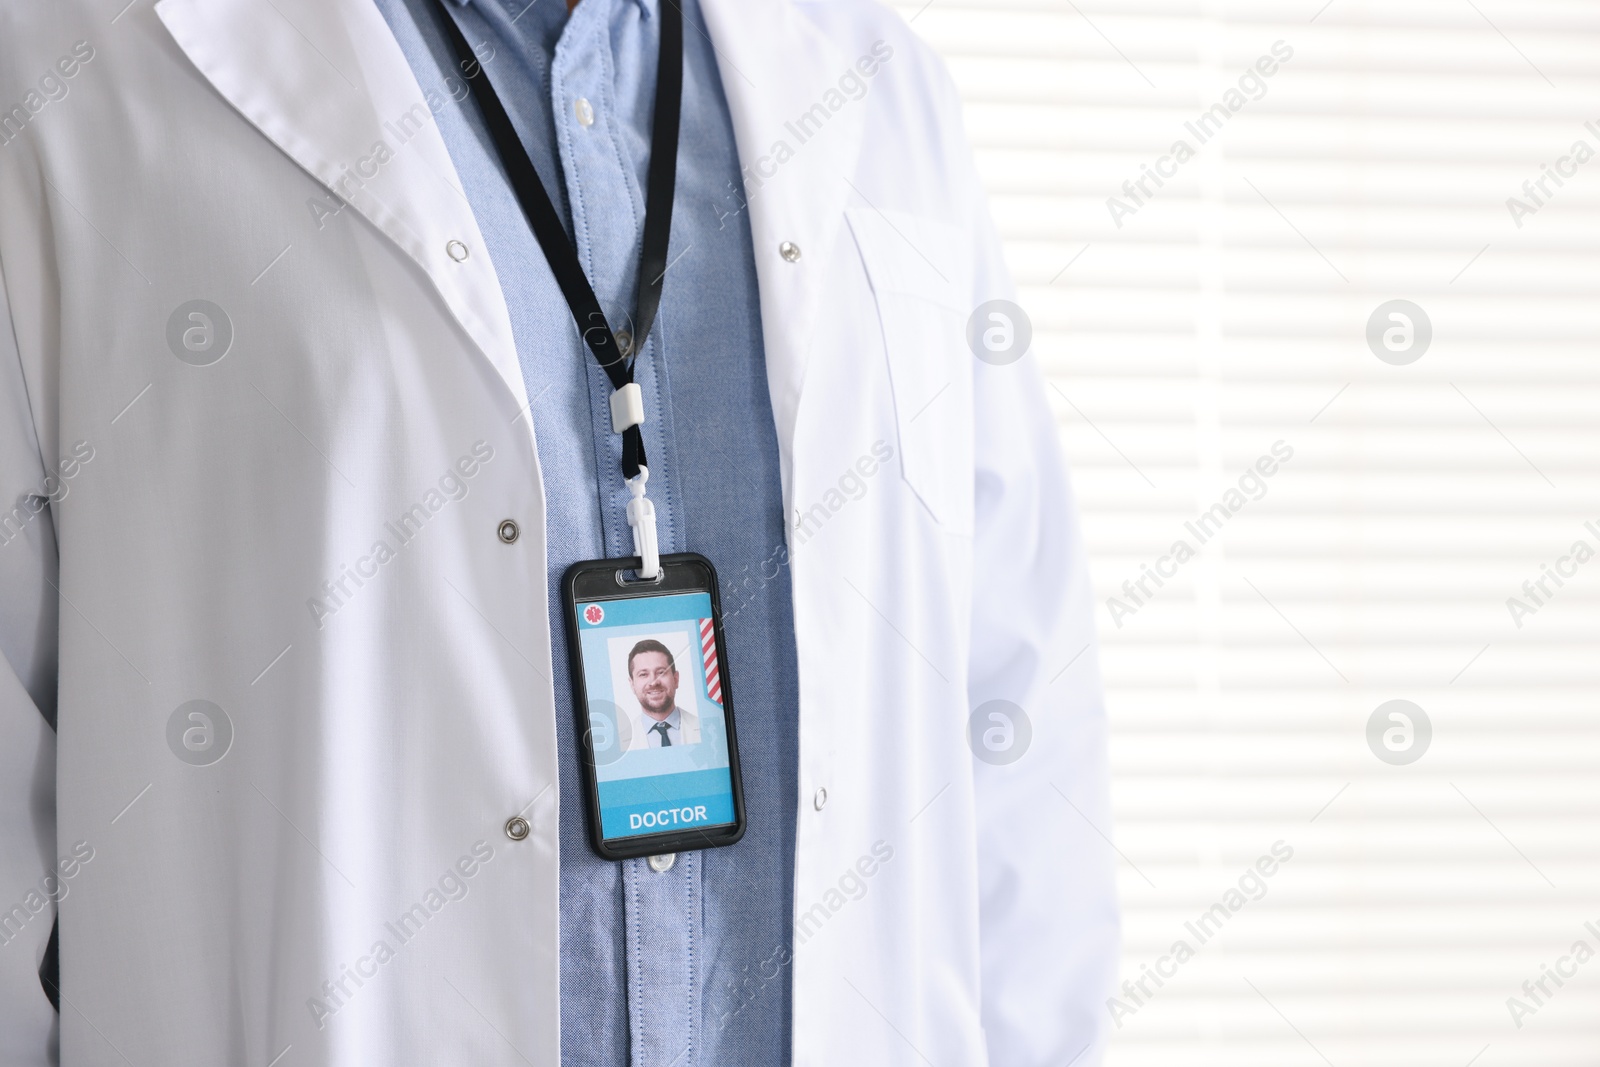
(948, 911)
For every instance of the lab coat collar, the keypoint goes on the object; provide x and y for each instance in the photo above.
(326, 81)
(776, 66)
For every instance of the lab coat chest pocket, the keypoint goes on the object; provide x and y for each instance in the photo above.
(918, 277)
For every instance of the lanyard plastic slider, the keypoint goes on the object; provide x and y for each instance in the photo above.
(627, 407)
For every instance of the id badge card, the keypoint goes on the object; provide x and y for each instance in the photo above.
(654, 705)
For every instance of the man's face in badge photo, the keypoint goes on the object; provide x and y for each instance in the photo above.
(654, 679)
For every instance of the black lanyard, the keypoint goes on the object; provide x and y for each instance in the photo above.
(552, 236)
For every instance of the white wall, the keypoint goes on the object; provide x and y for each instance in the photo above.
(1229, 312)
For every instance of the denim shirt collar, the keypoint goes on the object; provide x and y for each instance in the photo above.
(646, 7)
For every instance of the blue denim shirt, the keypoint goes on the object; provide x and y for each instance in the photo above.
(690, 966)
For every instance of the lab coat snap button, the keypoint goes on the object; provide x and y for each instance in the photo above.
(517, 828)
(820, 799)
(455, 250)
(509, 531)
(663, 863)
(789, 251)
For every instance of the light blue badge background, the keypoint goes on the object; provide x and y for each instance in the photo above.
(653, 778)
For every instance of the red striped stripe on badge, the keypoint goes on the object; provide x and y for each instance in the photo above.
(708, 655)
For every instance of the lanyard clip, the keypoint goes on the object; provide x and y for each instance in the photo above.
(642, 517)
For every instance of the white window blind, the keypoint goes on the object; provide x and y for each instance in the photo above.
(1228, 313)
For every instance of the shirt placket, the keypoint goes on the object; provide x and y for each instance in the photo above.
(661, 909)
